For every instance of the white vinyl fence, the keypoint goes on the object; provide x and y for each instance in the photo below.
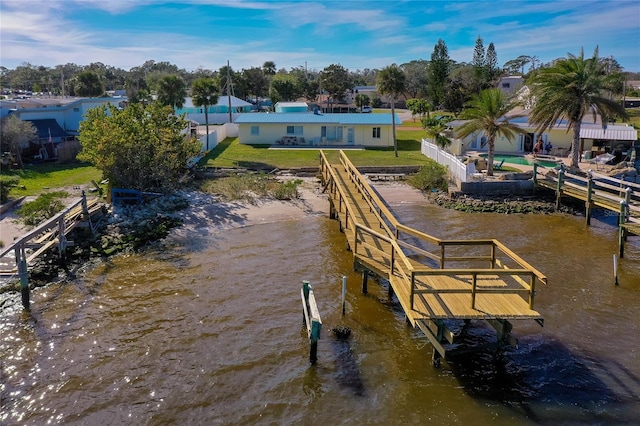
(456, 167)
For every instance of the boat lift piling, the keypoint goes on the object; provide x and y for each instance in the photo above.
(311, 318)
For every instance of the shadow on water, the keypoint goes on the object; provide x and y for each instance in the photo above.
(546, 380)
(347, 370)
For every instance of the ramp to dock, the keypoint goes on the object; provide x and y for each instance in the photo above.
(434, 279)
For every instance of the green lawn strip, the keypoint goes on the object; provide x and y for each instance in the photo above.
(231, 154)
(35, 179)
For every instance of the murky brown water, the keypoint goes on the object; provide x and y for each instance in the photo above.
(208, 331)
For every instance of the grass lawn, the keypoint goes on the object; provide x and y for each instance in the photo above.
(230, 153)
(634, 117)
(35, 179)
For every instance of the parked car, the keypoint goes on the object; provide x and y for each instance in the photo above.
(367, 109)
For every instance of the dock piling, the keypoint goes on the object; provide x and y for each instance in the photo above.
(311, 318)
(344, 294)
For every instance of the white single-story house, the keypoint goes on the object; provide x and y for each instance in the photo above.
(369, 130)
(594, 139)
(218, 113)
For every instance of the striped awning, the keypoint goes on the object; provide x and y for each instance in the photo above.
(617, 133)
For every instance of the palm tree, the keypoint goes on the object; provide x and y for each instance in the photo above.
(487, 112)
(437, 129)
(570, 89)
(171, 91)
(204, 93)
(391, 81)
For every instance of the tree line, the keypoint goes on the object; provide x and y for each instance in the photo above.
(445, 83)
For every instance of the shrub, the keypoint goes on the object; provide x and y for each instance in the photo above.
(248, 187)
(42, 208)
(7, 182)
(430, 176)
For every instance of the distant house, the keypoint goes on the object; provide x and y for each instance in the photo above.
(314, 129)
(510, 84)
(218, 113)
(57, 122)
(292, 107)
(68, 115)
(594, 139)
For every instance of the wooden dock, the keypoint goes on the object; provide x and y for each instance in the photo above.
(597, 191)
(435, 280)
(52, 234)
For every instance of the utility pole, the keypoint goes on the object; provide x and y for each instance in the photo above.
(229, 90)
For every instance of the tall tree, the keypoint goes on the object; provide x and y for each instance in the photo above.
(569, 90)
(269, 68)
(139, 148)
(439, 69)
(15, 136)
(336, 81)
(391, 82)
(284, 87)
(417, 73)
(491, 64)
(257, 83)
(487, 114)
(479, 64)
(88, 84)
(171, 91)
(204, 93)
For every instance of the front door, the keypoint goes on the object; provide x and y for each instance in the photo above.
(350, 138)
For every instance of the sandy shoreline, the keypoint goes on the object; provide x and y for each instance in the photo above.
(206, 211)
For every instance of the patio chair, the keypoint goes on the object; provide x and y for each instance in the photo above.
(498, 166)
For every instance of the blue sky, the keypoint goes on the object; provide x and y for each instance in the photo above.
(357, 34)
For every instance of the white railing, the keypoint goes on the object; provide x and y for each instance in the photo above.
(456, 167)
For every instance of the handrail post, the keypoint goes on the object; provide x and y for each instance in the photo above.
(23, 273)
(393, 258)
(442, 257)
(589, 194)
(493, 255)
(535, 174)
(532, 286)
(559, 188)
(473, 292)
(355, 238)
(621, 230)
(413, 280)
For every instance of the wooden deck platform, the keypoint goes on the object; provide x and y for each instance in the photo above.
(597, 191)
(487, 281)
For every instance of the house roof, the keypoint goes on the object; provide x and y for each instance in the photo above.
(222, 101)
(292, 104)
(610, 133)
(48, 127)
(311, 118)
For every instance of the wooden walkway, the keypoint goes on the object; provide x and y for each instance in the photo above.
(435, 280)
(52, 234)
(597, 190)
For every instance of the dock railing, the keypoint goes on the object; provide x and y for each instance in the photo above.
(393, 250)
(595, 189)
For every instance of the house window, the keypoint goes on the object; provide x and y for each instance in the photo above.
(255, 130)
(294, 130)
(376, 132)
(76, 110)
(506, 85)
